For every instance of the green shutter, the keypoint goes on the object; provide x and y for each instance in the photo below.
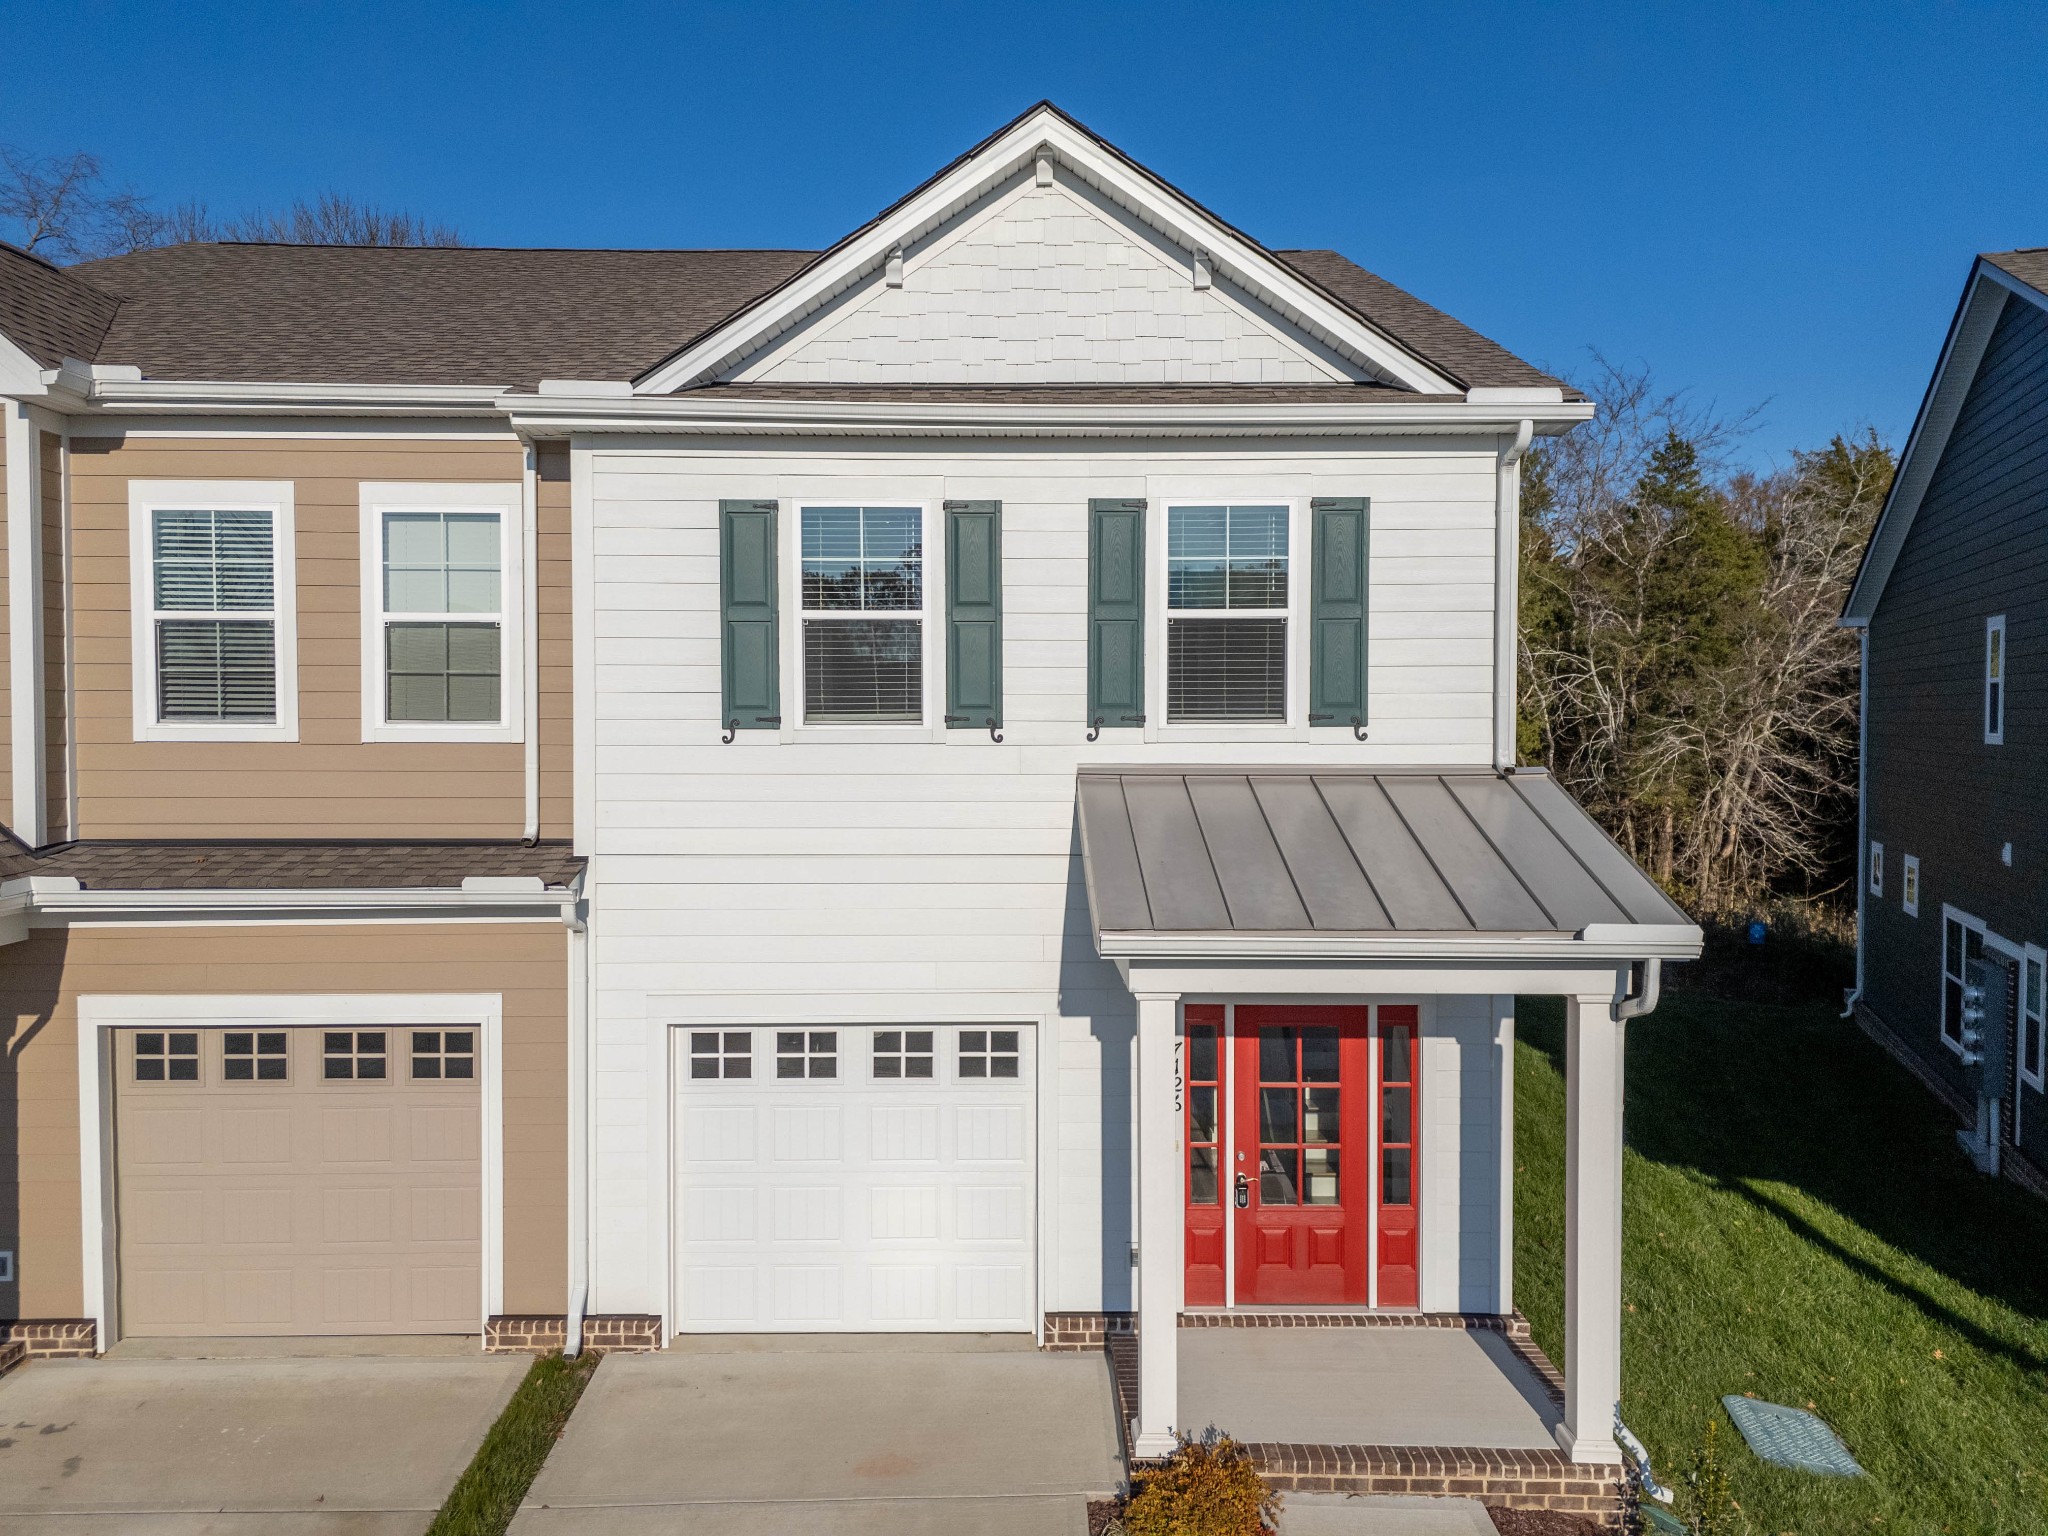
(974, 614)
(1116, 612)
(750, 648)
(1336, 614)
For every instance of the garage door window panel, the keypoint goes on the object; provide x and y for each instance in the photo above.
(903, 1053)
(255, 1056)
(168, 1057)
(986, 1053)
(721, 1053)
(812, 1053)
(443, 1055)
(358, 1055)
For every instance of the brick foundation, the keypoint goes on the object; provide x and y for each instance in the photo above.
(539, 1333)
(1509, 1479)
(53, 1338)
(12, 1353)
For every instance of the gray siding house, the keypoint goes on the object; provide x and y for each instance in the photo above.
(1952, 602)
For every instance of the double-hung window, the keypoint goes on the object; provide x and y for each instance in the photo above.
(1994, 680)
(1227, 592)
(2033, 1017)
(1962, 940)
(863, 621)
(213, 596)
(442, 608)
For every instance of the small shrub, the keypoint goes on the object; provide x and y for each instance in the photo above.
(1207, 1487)
(1709, 1502)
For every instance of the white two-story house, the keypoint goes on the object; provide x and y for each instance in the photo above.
(991, 746)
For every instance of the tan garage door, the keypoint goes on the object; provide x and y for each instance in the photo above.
(298, 1181)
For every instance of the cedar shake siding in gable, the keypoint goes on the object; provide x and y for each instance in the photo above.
(330, 782)
(1936, 790)
(43, 978)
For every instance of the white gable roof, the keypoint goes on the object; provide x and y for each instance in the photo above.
(1985, 296)
(1023, 262)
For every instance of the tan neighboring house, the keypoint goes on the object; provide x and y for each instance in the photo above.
(963, 781)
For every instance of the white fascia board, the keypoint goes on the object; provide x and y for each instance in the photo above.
(1616, 942)
(20, 375)
(143, 395)
(411, 899)
(1229, 254)
(1984, 299)
(557, 416)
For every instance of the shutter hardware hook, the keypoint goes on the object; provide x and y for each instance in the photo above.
(732, 729)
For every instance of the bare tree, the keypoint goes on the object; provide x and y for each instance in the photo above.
(64, 209)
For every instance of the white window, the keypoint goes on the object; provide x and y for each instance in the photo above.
(1994, 680)
(2033, 1008)
(1962, 940)
(443, 613)
(1909, 886)
(863, 630)
(1877, 869)
(1228, 602)
(212, 588)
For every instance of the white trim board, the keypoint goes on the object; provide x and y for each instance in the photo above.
(101, 1013)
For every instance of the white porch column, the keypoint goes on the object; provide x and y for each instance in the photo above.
(1162, 1219)
(1592, 1251)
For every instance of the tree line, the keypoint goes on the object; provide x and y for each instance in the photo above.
(1682, 673)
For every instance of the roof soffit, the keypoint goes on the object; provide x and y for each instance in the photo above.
(1085, 162)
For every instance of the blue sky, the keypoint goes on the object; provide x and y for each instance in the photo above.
(1764, 204)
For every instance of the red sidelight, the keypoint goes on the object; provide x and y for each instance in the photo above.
(1298, 1165)
(1201, 1076)
(1399, 1140)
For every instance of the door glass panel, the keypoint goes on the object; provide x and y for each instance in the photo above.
(1202, 1053)
(1201, 1114)
(1394, 1177)
(1394, 1066)
(1279, 1176)
(1320, 1165)
(1394, 1121)
(1201, 1175)
(1276, 1055)
(1319, 1054)
(1319, 1115)
(1276, 1114)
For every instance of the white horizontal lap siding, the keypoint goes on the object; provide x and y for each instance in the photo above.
(921, 879)
(1462, 1213)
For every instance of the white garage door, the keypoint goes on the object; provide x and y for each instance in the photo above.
(855, 1179)
(298, 1181)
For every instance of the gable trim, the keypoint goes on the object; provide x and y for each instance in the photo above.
(1045, 132)
(1985, 297)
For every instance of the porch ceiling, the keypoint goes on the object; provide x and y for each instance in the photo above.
(1233, 860)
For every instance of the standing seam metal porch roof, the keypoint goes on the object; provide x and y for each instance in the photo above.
(1311, 850)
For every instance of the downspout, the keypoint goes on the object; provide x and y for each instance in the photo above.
(1646, 980)
(1862, 807)
(1507, 593)
(576, 919)
(530, 533)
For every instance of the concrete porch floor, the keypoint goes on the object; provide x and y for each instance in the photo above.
(1364, 1386)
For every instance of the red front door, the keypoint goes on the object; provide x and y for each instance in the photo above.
(1282, 1141)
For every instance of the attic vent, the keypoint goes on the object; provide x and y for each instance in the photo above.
(894, 273)
(1044, 169)
(1201, 269)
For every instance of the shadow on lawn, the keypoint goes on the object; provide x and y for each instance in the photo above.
(1750, 1095)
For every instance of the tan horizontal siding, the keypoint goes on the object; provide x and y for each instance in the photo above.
(40, 983)
(329, 783)
(556, 666)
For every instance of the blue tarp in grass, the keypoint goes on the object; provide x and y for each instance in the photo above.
(1790, 1437)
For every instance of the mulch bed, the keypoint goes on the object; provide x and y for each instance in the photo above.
(1099, 1512)
(1541, 1522)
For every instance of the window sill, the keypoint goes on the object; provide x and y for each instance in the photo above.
(868, 735)
(480, 734)
(226, 731)
(1220, 732)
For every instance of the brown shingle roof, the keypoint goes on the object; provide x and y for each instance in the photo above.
(1059, 394)
(242, 866)
(468, 315)
(2030, 265)
(48, 312)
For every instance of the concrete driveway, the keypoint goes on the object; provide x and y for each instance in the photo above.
(908, 1435)
(329, 1445)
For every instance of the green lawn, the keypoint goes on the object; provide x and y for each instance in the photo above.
(1801, 1225)
(486, 1496)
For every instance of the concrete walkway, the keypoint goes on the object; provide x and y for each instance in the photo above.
(908, 1435)
(1338, 1514)
(1363, 1386)
(252, 1443)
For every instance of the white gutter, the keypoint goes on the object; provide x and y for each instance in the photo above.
(1507, 594)
(545, 415)
(530, 532)
(1601, 943)
(25, 621)
(139, 394)
(61, 896)
(576, 916)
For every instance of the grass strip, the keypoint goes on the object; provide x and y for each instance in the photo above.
(1800, 1225)
(486, 1496)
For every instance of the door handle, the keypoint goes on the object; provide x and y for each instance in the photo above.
(1244, 1192)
